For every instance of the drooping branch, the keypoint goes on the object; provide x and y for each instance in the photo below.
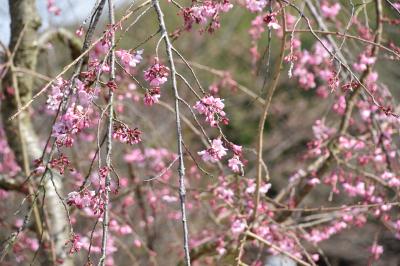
(181, 167)
(109, 138)
(270, 92)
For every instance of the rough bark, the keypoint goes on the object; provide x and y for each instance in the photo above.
(25, 22)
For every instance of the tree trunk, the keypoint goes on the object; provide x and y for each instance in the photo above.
(20, 133)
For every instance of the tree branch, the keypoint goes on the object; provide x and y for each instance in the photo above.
(181, 167)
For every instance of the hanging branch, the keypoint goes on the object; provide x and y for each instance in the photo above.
(181, 167)
(109, 138)
(263, 118)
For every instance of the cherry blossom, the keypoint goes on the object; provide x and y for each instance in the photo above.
(81, 199)
(376, 251)
(52, 8)
(212, 108)
(364, 61)
(204, 12)
(330, 11)
(57, 93)
(270, 20)
(255, 5)
(152, 96)
(235, 164)
(70, 124)
(126, 135)
(215, 152)
(156, 74)
(238, 226)
(128, 58)
(75, 243)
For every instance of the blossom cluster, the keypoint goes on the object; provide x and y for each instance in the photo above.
(217, 151)
(90, 201)
(156, 75)
(52, 8)
(70, 124)
(205, 12)
(256, 5)
(82, 199)
(129, 59)
(330, 11)
(126, 135)
(60, 163)
(58, 89)
(212, 108)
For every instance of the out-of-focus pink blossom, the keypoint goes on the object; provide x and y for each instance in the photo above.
(330, 11)
(271, 21)
(256, 5)
(52, 8)
(238, 226)
(376, 251)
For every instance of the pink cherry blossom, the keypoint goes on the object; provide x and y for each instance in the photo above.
(271, 21)
(128, 58)
(376, 251)
(81, 199)
(205, 12)
(126, 135)
(76, 244)
(57, 93)
(330, 11)
(364, 62)
(340, 105)
(212, 108)
(169, 199)
(256, 5)
(156, 74)
(79, 31)
(321, 131)
(215, 152)
(238, 226)
(152, 96)
(70, 124)
(52, 8)
(235, 164)
(265, 188)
